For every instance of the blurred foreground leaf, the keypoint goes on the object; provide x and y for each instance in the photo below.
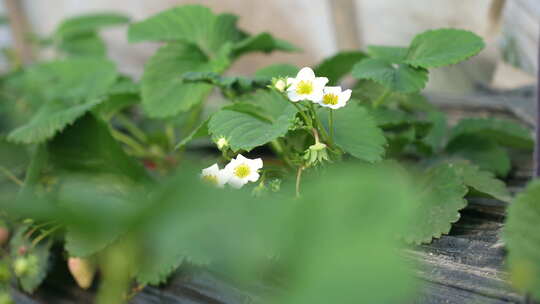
(521, 238)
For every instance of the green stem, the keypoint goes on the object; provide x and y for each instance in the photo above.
(276, 145)
(171, 136)
(44, 235)
(130, 142)
(132, 128)
(307, 120)
(11, 176)
(331, 123)
(377, 102)
(33, 173)
(320, 126)
(298, 179)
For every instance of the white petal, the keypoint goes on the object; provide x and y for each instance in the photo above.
(320, 82)
(256, 164)
(293, 96)
(253, 177)
(223, 177)
(322, 104)
(237, 182)
(316, 96)
(240, 157)
(291, 81)
(345, 96)
(336, 106)
(305, 74)
(212, 170)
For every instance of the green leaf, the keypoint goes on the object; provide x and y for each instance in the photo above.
(278, 70)
(389, 118)
(124, 85)
(72, 79)
(88, 146)
(36, 257)
(245, 131)
(368, 90)
(401, 78)
(391, 54)
(440, 197)
(263, 42)
(89, 23)
(338, 66)
(114, 104)
(356, 132)
(164, 92)
(86, 44)
(94, 173)
(483, 152)
(522, 242)
(51, 118)
(438, 132)
(482, 181)
(505, 132)
(441, 47)
(194, 24)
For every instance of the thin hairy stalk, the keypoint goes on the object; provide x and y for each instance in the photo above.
(331, 123)
(44, 235)
(128, 141)
(380, 100)
(132, 128)
(320, 126)
(11, 176)
(307, 120)
(298, 179)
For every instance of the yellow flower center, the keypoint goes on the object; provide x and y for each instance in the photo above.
(242, 171)
(304, 87)
(211, 179)
(330, 99)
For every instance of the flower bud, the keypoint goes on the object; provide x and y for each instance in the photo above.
(280, 85)
(222, 143)
(82, 271)
(316, 153)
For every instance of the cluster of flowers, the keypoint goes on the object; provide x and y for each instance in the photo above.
(237, 172)
(306, 86)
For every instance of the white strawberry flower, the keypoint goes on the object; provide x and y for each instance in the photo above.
(243, 170)
(215, 176)
(334, 98)
(306, 86)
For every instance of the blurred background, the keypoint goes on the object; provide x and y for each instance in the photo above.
(322, 27)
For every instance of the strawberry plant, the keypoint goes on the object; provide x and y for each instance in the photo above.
(295, 183)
